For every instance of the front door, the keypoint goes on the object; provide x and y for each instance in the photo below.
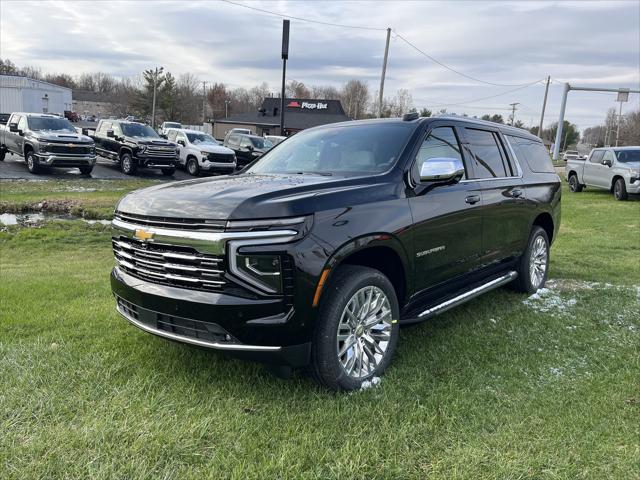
(447, 219)
(593, 168)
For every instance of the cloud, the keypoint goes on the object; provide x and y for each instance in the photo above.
(586, 43)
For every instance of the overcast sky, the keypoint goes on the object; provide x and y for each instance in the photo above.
(510, 43)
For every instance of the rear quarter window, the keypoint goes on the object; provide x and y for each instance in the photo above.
(533, 153)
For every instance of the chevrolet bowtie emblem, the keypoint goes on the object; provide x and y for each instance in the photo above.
(143, 235)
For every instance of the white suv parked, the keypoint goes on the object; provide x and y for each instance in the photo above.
(200, 152)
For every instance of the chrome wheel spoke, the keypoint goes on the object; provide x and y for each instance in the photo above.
(364, 332)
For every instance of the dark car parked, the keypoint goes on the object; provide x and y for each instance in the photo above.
(317, 253)
(247, 147)
(135, 145)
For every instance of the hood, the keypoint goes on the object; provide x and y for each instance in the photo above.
(212, 148)
(150, 141)
(249, 196)
(632, 165)
(61, 137)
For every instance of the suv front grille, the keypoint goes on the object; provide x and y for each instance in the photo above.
(172, 265)
(221, 157)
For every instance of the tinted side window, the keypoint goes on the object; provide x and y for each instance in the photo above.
(532, 152)
(441, 143)
(596, 156)
(22, 124)
(486, 153)
(104, 126)
(234, 140)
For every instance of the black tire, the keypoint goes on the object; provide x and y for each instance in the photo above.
(128, 164)
(326, 367)
(167, 172)
(524, 281)
(192, 166)
(2, 155)
(574, 184)
(620, 190)
(32, 163)
(86, 170)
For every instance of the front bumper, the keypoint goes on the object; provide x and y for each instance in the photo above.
(215, 166)
(58, 160)
(158, 162)
(246, 328)
(633, 188)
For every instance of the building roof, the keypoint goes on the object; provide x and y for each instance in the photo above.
(20, 81)
(299, 113)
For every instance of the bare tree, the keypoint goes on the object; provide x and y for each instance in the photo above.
(355, 98)
(217, 95)
(325, 92)
(295, 89)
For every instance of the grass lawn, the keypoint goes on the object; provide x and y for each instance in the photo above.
(503, 387)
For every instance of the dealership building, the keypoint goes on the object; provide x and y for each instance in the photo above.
(23, 94)
(298, 115)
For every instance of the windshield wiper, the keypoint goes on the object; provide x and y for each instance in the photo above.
(324, 174)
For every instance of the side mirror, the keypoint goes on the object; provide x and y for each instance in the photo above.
(249, 148)
(110, 134)
(181, 142)
(441, 170)
(13, 127)
(607, 162)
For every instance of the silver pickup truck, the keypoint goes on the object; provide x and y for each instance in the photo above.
(616, 169)
(46, 141)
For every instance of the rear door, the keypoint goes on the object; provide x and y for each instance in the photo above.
(447, 219)
(495, 173)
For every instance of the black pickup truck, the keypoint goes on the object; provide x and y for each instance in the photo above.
(134, 145)
(317, 253)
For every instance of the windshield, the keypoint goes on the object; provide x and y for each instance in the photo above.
(260, 142)
(51, 124)
(628, 156)
(353, 149)
(172, 125)
(198, 138)
(138, 130)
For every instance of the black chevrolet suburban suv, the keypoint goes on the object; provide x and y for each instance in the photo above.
(135, 145)
(317, 253)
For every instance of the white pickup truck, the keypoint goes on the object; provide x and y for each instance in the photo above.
(616, 169)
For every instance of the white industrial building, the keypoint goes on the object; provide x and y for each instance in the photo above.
(22, 94)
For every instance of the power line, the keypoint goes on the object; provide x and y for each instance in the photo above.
(397, 34)
(282, 15)
(435, 60)
(465, 102)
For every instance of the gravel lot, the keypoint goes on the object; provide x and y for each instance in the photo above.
(14, 167)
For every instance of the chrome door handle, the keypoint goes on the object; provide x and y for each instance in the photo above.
(516, 193)
(471, 199)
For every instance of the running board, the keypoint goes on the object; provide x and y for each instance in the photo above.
(466, 296)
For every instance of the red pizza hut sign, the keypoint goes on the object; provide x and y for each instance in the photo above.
(307, 105)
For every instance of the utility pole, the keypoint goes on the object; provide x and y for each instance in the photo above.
(156, 72)
(204, 99)
(513, 111)
(384, 72)
(226, 108)
(544, 106)
(285, 56)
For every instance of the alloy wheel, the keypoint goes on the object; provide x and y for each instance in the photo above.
(192, 167)
(364, 332)
(617, 190)
(538, 261)
(573, 183)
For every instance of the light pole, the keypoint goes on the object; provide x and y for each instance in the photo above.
(204, 98)
(226, 108)
(156, 72)
(285, 56)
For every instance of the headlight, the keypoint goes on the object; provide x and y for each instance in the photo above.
(42, 147)
(264, 271)
(205, 155)
(142, 148)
